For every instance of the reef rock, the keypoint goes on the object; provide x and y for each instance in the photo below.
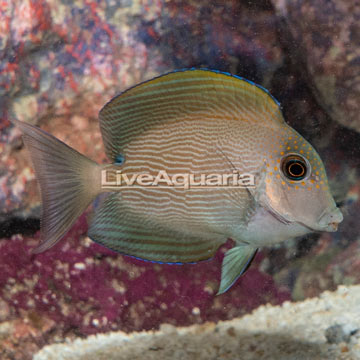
(325, 37)
(79, 288)
(61, 61)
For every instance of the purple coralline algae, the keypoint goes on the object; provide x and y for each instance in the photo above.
(61, 61)
(80, 288)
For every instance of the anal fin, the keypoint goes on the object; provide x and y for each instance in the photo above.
(119, 228)
(236, 261)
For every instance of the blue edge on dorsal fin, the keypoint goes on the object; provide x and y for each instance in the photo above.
(228, 74)
(182, 70)
(202, 69)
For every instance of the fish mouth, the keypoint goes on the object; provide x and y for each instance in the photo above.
(331, 227)
(328, 221)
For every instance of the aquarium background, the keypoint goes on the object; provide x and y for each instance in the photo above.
(61, 61)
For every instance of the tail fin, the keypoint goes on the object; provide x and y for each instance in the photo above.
(68, 182)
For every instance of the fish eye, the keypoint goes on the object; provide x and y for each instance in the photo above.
(294, 167)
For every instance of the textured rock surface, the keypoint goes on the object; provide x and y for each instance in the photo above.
(61, 61)
(292, 331)
(325, 41)
(79, 288)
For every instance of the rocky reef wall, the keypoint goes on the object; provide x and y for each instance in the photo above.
(61, 61)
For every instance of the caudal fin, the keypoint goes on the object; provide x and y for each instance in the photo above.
(68, 182)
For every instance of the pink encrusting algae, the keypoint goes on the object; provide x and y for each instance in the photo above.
(86, 288)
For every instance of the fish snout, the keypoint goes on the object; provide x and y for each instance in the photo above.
(330, 220)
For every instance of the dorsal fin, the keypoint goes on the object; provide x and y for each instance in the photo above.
(180, 94)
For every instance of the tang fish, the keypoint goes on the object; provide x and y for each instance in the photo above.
(170, 141)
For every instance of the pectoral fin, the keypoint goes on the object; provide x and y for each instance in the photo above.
(236, 261)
